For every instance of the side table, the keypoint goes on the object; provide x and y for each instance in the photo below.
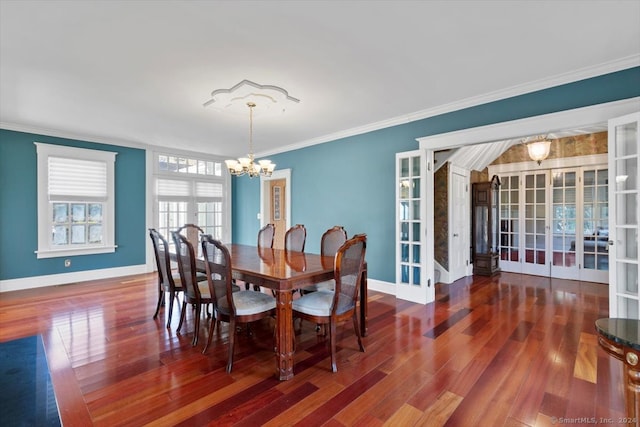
(621, 339)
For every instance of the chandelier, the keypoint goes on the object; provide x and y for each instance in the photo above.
(247, 165)
(539, 148)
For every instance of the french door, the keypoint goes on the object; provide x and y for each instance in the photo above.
(624, 143)
(555, 223)
(414, 226)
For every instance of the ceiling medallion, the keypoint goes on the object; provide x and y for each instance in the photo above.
(266, 97)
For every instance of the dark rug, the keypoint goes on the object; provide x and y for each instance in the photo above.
(27, 392)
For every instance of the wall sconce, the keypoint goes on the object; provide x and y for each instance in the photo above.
(539, 148)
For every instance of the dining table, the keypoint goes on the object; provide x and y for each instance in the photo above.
(284, 272)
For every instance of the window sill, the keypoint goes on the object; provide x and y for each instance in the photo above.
(55, 253)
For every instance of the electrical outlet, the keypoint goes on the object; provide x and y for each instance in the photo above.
(67, 263)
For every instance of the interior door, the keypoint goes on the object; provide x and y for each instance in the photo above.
(510, 223)
(535, 224)
(594, 251)
(414, 227)
(459, 229)
(624, 143)
(278, 212)
(566, 234)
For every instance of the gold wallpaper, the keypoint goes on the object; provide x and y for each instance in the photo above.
(579, 145)
(441, 215)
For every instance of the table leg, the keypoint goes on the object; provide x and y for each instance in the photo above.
(632, 393)
(284, 335)
(363, 303)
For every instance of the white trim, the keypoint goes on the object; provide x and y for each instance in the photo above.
(564, 162)
(444, 273)
(547, 123)
(565, 78)
(68, 278)
(560, 79)
(265, 202)
(380, 286)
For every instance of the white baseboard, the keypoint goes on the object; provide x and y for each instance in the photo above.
(64, 278)
(380, 286)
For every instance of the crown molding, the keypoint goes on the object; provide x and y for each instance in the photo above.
(551, 123)
(581, 74)
(557, 80)
(57, 133)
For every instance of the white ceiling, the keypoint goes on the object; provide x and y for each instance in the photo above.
(139, 71)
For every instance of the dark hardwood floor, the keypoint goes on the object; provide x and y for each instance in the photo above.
(511, 350)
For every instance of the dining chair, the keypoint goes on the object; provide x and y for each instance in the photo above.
(230, 307)
(330, 307)
(192, 233)
(265, 240)
(195, 292)
(168, 281)
(265, 236)
(330, 242)
(295, 237)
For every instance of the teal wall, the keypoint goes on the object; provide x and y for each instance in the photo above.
(18, 209)
(350, 182)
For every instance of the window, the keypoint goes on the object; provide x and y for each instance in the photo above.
(192, 190)
(75, 201)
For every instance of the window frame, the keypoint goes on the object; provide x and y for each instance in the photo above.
(192, 178)
(45, 215)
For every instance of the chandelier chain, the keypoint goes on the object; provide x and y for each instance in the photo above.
(248, 165)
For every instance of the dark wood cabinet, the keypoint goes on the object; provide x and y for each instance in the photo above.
(484, 227)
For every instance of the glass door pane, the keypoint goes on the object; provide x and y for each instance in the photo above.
(535, 223)
(564, 222)
(595, 225)
(623, 218)
(510, 224)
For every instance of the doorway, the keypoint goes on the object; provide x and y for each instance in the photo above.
(562, 123)
(275, 203)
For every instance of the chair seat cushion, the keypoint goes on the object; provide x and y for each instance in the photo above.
(204, 289)
(177, 282)
(248, 302)
(327, 285)
(316, 303)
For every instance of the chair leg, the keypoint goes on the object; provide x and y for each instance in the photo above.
(172, 296)
(160, 299)
(182, 314)
(212, 328)
(196, 329)
(357, 329)
(232, 342)
(332, 339)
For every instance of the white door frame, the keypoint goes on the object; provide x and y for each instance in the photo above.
(265, 200)
(579, 118)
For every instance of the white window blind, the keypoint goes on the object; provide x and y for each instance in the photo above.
(208, 189)
(75, 179)
(173, 187)
(76, 201)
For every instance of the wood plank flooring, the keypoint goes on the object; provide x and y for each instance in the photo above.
(512, 350)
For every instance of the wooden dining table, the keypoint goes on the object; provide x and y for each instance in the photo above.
(283, 272)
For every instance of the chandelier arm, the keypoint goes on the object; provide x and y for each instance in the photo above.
(248, 165)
